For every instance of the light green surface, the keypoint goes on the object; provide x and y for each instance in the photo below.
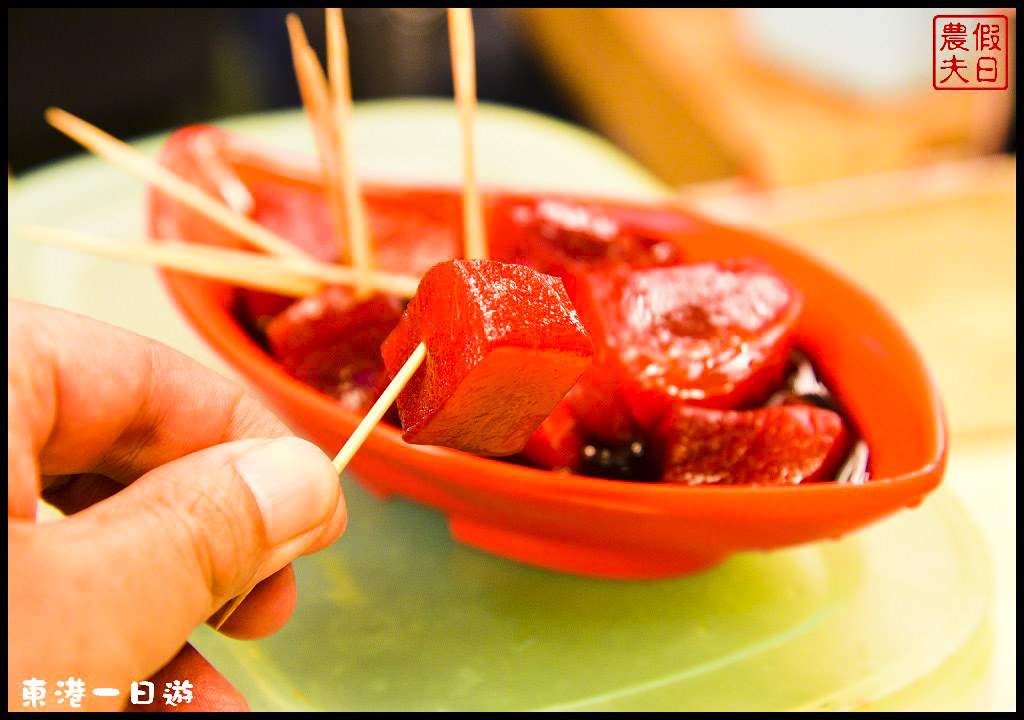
(397, 616)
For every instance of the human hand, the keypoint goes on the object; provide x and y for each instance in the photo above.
(180, 493)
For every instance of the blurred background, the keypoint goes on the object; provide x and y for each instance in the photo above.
(133, 71)
(774, 96)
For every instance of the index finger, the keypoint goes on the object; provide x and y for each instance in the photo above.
(83, 396)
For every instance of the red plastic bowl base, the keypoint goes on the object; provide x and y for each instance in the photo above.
(385, 479)
(567, 556)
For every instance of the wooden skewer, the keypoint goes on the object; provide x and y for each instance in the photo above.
(461, 35)
(356, 439)
(316, 100)
(337, 55)
(380, 407)
(233, 191)
(247, 271)
(341, 95)
(460, 32)
(331, 112)
(285, 276)
(127, 158)
(392, 283)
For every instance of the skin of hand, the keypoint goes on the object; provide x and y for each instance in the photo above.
(179, 493)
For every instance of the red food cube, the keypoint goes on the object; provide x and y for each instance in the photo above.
(504, 345)
(331, 341)
(714, 334)
(785, 445)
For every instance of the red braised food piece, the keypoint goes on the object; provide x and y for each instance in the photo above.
(713, 334)
(596, 399)
(598, 404)
(331, 341)
(785, 445)
(558, 236)
(412, 229)
(218, 161)
(504, 345)
(558, 443)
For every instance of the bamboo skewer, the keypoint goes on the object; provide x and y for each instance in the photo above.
(316, 100)
(341, 106)
(355, 440)
(460, 32)
(341, 172)
(231, 188)
(362, 431)
(296, 278)
(127, 158)
(337, 55)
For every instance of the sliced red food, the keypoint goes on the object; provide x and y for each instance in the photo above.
(563, 237)
(504, 345)
(713, 334)
(331, 341)
(785, 445)
(558, 236)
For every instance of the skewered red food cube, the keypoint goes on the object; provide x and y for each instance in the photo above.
(504, 345)
(784, 445)
(713, 334)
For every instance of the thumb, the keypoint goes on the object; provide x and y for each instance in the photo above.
(142, 569)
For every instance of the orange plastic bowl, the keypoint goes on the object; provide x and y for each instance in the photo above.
(619, 529)
(603, 527)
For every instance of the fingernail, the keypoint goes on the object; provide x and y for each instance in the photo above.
(294, 483)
